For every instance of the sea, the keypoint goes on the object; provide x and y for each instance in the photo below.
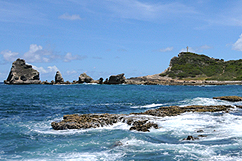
(26, 113)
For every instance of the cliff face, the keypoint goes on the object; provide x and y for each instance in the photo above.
(22, 73)
(191, 65)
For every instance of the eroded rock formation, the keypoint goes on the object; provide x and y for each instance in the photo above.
(58, 78)
(84, 78)
(116, 79)
(22, 73)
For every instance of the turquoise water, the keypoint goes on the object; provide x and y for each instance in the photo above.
(26, 112)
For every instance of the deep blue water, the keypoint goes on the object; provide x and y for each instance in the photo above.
(26, 112)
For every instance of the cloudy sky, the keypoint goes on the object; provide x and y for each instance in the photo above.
(108, 37)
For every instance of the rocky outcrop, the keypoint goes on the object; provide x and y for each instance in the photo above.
(84, 78)
(229, 98)
(22, 73)
(116, 79)
(58, 78)
(137, 121)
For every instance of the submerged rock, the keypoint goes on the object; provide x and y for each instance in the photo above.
(229, 98)
(191, 138)
(22, 73)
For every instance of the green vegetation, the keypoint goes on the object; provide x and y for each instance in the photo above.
(194, 66)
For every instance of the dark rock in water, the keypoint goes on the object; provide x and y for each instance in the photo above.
(176, 110)
(202, 136)
(229, 98)
(116, 79)
(106, 81)
(22, 73)
(141, 125)
(117, 143)
(190, 138)
(99, 120)
(58, 78)
(100, 81)
(198, 131)
(84, 78)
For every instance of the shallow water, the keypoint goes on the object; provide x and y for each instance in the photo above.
(26, 112)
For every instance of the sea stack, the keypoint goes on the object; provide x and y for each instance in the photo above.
(58, 78)
(22, 73)
(84, 78)
(116, 79)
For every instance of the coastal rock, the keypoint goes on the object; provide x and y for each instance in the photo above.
(58, 78)
(22, 73)
(137, 121)
(116, 79)
(191, 138)
(229, 98)
(84, 78)
(100, 81)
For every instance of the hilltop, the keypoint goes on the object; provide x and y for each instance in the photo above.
(201, 67)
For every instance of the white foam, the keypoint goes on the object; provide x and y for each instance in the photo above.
(83, 156)
(147, 106)
(203, 101)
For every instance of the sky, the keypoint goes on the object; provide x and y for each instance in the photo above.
(109, 37)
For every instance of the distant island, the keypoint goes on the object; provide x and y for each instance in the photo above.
(186, 69)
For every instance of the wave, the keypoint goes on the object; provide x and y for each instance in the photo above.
(204, 101)
(148, 106)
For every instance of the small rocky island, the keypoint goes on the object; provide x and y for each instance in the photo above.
(21, 73)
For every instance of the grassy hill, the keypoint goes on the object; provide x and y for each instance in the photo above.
(194, 66)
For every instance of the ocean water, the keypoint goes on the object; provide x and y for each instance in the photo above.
(26, 112)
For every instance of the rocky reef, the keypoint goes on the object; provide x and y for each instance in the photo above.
(229, 98)
(137, 121)
(21, 73)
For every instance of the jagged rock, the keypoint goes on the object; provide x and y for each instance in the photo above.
(84, 78)
(116, 79)
(100, 81)
(199, 131)
(22, 73)
(229, 98)
(58, 78)
(106, 81)
(190, 138)
(46, 82)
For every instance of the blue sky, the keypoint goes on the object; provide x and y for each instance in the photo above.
(108, 37)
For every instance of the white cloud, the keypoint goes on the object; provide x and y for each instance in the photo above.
(50, 69)
(68, 57)
(166, 49)
(238, 44)
(37, 54)
(134, 9)
(71, 72)
(9, 55)
(66, 16)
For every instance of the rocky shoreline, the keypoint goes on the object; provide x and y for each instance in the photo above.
(137, 121)
(21, 73)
